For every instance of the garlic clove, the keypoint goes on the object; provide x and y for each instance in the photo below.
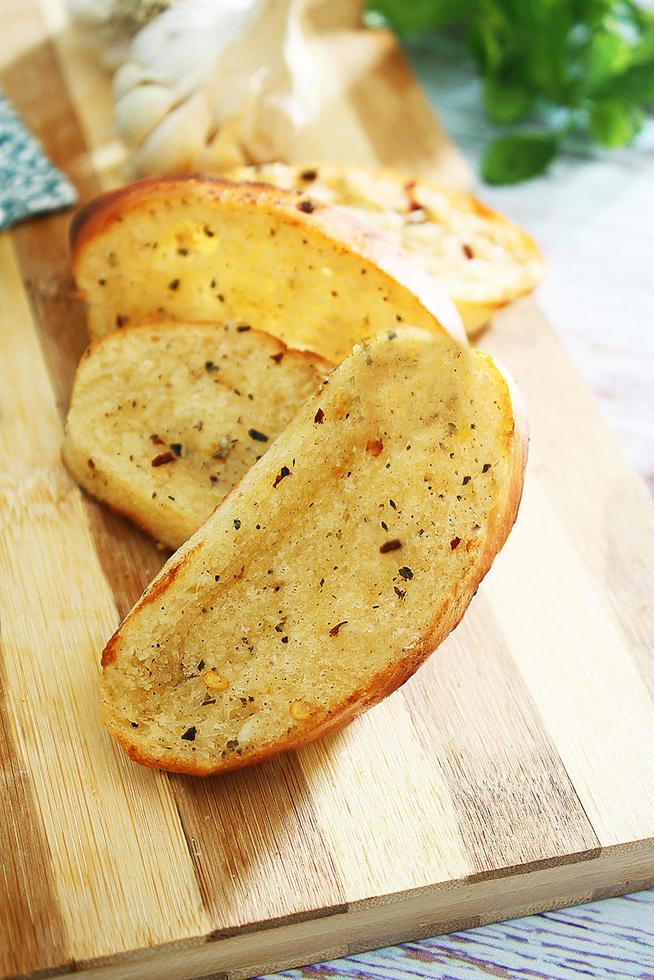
(128, 75)
(175, 144)
(224, 151)
(140, 109)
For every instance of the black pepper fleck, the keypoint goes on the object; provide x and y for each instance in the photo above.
(257, 436)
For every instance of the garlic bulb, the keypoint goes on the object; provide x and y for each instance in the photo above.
(210, 84)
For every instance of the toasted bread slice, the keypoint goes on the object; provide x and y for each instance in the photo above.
(206, 249)
(481, 260)
(165, 420)
(342, 559)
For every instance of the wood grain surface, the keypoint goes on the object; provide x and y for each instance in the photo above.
(513, 773)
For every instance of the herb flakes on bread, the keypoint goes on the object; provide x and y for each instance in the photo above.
(343, 558)
(479, 258)
(200, 248)
(165, 420)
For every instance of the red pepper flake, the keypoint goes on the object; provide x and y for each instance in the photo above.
(485, 468)
(319, 416)
(157, 440)
(309, 175)
(454, 543)
(374, 447)
(393, 545)
(277, 358)
(90, 464)
(243, 328)
(189, 734)
(208, 232)
(334, 631)
(239, 574)
(120, 320)
(467, 251)
(412, 203)
(405, 572)
(283, 473)
(257, 436)
(173, 284)
(176, 448)
(307, 206)
(167, 457)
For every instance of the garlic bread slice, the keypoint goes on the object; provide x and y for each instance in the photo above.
(200, 248)
(479, 258)
(165, 419)
(342, 559)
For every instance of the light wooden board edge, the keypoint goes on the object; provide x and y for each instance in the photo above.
(385, 921)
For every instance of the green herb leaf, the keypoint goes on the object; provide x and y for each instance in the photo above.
(511, 159)
(609, 54)
(634, 85)
(614, 123)
(415, 16)
(507, 102)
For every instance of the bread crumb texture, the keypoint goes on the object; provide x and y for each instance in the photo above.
(164, 421)
(340, 561)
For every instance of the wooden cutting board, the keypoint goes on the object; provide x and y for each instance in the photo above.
(514, 773)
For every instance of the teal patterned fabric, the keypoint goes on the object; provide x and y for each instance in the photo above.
(29, 184)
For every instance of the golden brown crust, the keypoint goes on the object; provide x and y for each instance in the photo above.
(288, 206)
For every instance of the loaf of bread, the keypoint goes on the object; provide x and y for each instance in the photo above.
(480, 259)
(205, 249)
(164, 420)
(346, 554)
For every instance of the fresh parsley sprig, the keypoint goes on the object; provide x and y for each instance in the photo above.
(592, 60)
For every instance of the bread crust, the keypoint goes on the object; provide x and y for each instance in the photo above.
(339, 229)
(444, 620)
